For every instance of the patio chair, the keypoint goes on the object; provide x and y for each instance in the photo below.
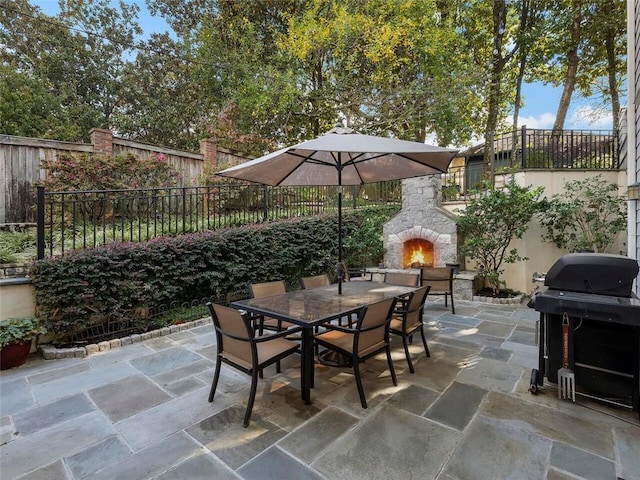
(239, 348)
(354, 274)
(440, 279)
(369, 337)
(404, 279)
(315, 281)
(267, 289)
(408, 320)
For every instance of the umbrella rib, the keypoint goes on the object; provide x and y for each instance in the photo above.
(357, 160)
(304, 158)
(311, 159)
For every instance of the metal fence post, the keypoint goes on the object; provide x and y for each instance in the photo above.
(184, 209)
(40, 222)
(265, 204)
(524, 140)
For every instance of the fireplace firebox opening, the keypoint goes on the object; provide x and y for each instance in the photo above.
(417, 252)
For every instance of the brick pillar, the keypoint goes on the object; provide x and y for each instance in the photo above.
(102, 140)
(209, 151)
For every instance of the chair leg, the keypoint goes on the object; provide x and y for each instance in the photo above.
(390, 362)
(252, 397)
(216, 377)
(445, 299)
(424, 342)
(453, 308)
(356, 372)
(405, 344)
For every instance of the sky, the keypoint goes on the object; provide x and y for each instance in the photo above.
(540, 101)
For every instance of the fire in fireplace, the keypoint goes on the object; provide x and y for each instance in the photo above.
(417, 252)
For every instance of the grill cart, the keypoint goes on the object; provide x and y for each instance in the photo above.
(593, 292)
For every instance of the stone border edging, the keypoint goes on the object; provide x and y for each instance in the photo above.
(50, 352)
(499, 301)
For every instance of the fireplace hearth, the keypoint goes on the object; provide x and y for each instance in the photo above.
(416, 253)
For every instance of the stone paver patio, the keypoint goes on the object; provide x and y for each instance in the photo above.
(141, 412)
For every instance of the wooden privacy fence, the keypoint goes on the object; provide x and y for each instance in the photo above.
(21, 157)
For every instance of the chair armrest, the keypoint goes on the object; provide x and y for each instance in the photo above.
(283, 333)
(339, 328)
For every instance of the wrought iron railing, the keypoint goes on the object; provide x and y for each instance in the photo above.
(89, 218)
(531, 149)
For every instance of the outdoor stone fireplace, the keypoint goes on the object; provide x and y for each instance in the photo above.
(422, 233)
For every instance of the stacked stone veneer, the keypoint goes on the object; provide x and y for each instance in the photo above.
(421, 217)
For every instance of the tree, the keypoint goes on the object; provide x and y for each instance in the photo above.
(77, 56)
(387, 67)
(160, 101)
(492, 218)
(29, 109)
(492, 30)
(572, 59)
(588, 215)
(531, 25)
(603, 60)
(33, 103)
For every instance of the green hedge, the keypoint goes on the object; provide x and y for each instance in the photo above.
(85, 287)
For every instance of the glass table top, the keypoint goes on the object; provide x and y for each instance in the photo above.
(320, 304)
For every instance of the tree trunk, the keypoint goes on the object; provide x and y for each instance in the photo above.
(525, 23)
(610, 45)
(572, 67)
(494, 87)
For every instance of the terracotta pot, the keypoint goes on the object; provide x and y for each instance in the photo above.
(14, 355)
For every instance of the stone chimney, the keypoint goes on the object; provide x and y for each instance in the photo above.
(421, 218)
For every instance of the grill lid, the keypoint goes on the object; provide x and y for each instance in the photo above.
(598, 273)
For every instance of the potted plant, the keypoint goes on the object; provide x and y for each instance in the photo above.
(16, 335)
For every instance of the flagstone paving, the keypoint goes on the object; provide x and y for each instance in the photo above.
(141, 412)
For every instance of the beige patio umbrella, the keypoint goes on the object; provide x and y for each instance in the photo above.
(344, 157)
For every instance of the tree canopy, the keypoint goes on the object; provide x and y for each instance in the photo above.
(258, 74)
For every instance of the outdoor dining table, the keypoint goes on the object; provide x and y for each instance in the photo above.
(312, 307)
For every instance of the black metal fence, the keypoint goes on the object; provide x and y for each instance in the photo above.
(531, 149)
(83, 219)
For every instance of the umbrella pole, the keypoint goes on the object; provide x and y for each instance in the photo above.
(340, 264)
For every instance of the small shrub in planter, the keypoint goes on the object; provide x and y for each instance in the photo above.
(16, 335)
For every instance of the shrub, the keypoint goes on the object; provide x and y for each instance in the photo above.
(493, 218)
(85, 287)
(588, 215)
(17, 330)
(16, 245)
(104, 172)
